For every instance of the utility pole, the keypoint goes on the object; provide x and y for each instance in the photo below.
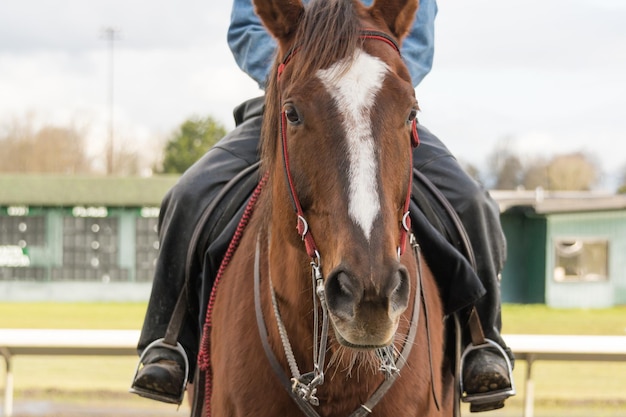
(111, 34)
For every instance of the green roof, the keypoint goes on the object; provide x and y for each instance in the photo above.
(67, 190)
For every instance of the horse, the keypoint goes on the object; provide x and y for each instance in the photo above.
(327, 307)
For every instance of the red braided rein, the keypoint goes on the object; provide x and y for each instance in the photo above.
(204, 356)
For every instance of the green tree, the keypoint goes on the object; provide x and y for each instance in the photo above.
(189, 142)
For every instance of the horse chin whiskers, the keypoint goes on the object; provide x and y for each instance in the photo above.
(352, 362)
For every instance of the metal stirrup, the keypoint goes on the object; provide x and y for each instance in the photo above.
(159, 396)
(490, 396)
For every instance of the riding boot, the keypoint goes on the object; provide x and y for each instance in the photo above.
(161, 376)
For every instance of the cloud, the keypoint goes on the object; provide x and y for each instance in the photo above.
(549, 73)
(171, 60)
(76, 25)
(531, 34)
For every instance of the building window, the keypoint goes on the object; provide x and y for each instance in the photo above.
(581, 260)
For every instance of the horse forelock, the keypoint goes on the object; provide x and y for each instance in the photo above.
(337, 39)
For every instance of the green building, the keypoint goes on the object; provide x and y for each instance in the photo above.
(72, 238)
(78, 238)
(565, 249)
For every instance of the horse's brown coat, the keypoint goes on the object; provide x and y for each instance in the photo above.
(243, 381)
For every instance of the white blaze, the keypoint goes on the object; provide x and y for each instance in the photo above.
(354, 86)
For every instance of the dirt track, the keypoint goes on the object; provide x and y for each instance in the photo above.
(49, 409)
(51, 403)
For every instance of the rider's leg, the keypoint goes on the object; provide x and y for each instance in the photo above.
(181, 210)
(480, 216)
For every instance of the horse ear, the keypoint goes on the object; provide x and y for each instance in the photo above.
(397, 14)
(280, 17)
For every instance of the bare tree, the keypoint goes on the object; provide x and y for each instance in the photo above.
(59, 150)
(574, 171)
(535, 173)
(510, 173)
(506, 170)
(48, 149)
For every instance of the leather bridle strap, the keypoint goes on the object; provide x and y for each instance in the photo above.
(302, 225)
(304, 406)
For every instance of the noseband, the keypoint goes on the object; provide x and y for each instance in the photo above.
(302, 224)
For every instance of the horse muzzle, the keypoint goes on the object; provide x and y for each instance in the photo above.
(365, 311)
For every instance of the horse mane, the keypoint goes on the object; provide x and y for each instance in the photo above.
(328, 32)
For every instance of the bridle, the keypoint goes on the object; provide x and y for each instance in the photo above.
(303, 387)
(302, 224)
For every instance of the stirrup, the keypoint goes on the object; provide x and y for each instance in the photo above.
(159, 396)
(490, 396)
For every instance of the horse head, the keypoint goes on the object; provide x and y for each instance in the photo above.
(340, 109)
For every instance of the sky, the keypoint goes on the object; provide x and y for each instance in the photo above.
(542, 77)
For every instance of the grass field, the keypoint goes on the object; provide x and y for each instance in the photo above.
(561, 389)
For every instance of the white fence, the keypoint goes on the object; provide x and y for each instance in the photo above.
(529, 348)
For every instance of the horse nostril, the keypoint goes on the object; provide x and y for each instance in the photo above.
(398, 290)
(341, 295)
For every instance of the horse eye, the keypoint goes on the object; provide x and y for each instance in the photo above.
(412, 116)
(292, 115)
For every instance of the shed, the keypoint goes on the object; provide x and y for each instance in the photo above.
(565, 249)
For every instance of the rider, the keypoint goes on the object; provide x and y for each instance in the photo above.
(163, 370)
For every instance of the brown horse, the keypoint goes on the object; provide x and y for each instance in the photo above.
(337, 149)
